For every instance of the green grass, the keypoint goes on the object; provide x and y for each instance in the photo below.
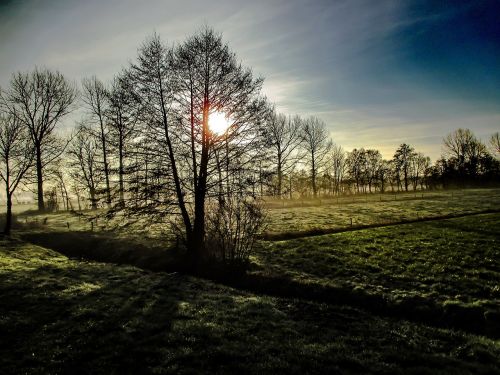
(453, 263)
(410, 298)
(65, 316)
(378, 209)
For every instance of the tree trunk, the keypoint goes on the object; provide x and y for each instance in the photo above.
(8, 218)
(121, 172)
(313, 178)
(105, 160)
(39, 179)
(93, 200)
(280, 178)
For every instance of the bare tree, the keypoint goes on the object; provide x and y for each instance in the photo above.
(418, 165)
(372, 167)
(95, 96)
(177, 112)
(337, 167)
(356, 163)
(284, 137)
(123, 115)
(41, 99)
(466, 150)
(16, 157)
(495, 143)
(316, 143)
(83, 153)
(402, 161)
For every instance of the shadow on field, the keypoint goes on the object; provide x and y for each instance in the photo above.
(67, 324)
(105, 248)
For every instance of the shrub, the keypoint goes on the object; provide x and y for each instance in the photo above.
(232, 227)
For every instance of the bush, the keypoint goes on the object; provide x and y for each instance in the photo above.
(232, 227)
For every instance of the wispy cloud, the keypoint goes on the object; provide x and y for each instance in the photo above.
(379, 73)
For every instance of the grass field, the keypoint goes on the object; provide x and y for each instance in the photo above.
(420, 297)
(61, 315)
(305, 216)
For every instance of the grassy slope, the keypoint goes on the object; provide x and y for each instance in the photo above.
(61, 315)
(453, 263)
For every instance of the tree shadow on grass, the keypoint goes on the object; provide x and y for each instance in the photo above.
(80, 319)
(63, 316)
(105, 248)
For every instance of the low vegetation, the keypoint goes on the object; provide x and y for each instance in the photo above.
(62, 315)
(417, 297)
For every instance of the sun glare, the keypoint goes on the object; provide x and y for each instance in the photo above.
(218, 123)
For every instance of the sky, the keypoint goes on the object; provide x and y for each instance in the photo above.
(379, 73)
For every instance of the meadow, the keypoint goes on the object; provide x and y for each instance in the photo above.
(404, 295)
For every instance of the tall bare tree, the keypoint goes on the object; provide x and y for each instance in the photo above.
(41, 99)
(177, 113)
(284, 136)
(337, 167)
(16, 157)
(402, 161)
(123, 115)
(95, 96)
(84, 153)
(466, 150)
(356, 166)
(317, 144)
(495, 143)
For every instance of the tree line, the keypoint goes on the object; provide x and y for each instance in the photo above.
(145, 147)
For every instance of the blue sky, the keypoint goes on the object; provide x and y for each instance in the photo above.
(379, 73)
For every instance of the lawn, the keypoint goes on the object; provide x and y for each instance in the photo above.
(420, 297)
(444, 267)
(60, 315)
(295, 216)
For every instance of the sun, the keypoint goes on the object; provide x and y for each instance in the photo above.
(218, 123)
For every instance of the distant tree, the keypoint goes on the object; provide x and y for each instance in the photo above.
(95, 96)
(83, 158)
(465, 151)
(419, 163)
(356, 163)
(40, 100)
(317, 144)
(402, 161)
(337, 167)
(372, 167)
(383, 174)
(283, 135)
(123, 116)
(16, 157)
(495, 143)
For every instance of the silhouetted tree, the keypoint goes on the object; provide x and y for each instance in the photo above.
(356, 162)
(40, 100)
(337, 167)
(284, 136)
(95, 96)
(316, 143)
(179, 90)
(83, 152)
(402, 161)
(16, 157)
(495, 143)
(123, 115)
